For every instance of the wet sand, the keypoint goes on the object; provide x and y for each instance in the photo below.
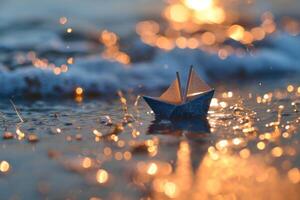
(249, 149)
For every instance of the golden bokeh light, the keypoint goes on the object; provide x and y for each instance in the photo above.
(205, 25)
(79, 91)
(277, 151)
(4, 166)
(102, 176)
(245, 153)
(290, 88)
(199, 5)
(152, 169)
(178, 13)
(261, 145)
(294, 175)
(112, 50)
(87, 162)
(236, 32)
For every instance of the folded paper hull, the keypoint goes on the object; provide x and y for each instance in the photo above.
(197, 107)
(160, 108)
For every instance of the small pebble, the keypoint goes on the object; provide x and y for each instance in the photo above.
(78, 137)
(32, 138)
(106, 120)
(128, 118)
(8, 135)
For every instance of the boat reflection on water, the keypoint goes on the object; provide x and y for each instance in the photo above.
(179, 127)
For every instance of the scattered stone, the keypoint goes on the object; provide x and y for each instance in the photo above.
(106, 120)
(32, 138)
(78, 137)
(8, 135)
(128, 118)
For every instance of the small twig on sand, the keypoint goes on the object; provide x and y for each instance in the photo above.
(16, 110)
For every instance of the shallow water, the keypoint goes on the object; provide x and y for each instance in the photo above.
(147, 158)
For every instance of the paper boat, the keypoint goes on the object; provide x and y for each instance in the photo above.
(194, 101)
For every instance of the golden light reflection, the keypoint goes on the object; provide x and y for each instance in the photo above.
(245, 153)
(20, 134)
(97, 133)
(277, 151)
(152, 169)
(171, 186)
(214, 102)
(230, 177)
(45, 64)
(294, 175)
(227, 177)
(79, 94)
(178, 13)
(86, 162)
(261, 145)
(112, 50)
(102, 176)
(236, 32)
(70, 61)
(205, 25)
(195, 11)
(290, 88)
(4, 166)
(79, 91)
(198, 4)
(254, 159)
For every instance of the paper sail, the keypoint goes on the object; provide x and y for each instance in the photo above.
(172, 94)
(194, 101)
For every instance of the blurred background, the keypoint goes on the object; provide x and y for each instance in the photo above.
(50, 48)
